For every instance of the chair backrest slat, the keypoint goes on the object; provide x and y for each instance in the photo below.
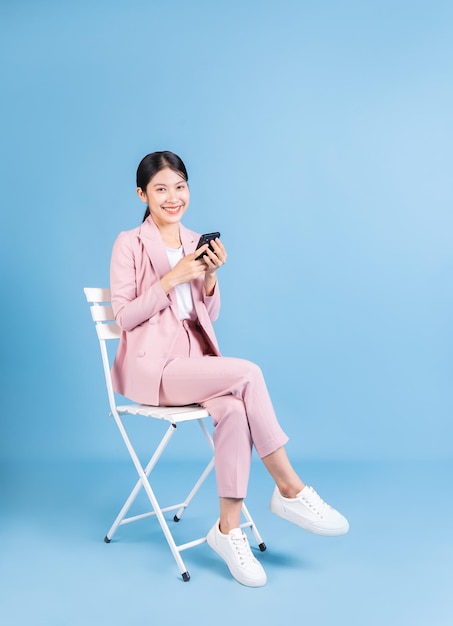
(102, 313)
(108, 331)
(97, 294)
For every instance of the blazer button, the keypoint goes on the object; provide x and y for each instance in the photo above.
(141, 353)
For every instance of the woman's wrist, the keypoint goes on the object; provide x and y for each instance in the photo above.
(168, 282)
(210, 281)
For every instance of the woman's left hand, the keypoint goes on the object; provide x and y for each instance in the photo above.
(215, 258)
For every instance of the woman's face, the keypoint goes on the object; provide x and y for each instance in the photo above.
(167, 195)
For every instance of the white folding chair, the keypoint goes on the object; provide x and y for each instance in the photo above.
(107, 330)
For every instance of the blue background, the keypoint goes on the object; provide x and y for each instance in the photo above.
(318, 139)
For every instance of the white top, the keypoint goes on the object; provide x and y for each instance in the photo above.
(183, 291)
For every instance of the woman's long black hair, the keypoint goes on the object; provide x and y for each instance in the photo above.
(153, 163)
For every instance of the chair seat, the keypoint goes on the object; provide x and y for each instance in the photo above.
(172, 414)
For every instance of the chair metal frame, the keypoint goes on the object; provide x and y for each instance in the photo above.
(108, 330)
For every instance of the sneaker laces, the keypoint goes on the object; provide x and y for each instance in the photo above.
(241, 548)
(315, 502)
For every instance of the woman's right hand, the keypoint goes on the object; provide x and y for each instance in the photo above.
(185, 270)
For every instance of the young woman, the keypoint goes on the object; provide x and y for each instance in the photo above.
(165, 298)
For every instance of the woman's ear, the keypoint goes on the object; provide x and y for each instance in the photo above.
(142, 195)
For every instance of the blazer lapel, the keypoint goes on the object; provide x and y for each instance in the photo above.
(154, 247)
(150, 236)
(188, 238)
(152, 241)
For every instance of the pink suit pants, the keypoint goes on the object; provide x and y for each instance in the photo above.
(235, 394)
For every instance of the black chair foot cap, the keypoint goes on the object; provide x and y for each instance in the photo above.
(176, 518)
(186, 576)
(107, 540)
(262, 547)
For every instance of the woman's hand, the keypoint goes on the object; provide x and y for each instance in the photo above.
(213, 259)
(184, 271)
(188, 268)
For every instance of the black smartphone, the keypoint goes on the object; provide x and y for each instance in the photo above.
(206, 238)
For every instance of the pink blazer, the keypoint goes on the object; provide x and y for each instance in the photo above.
(148, 318)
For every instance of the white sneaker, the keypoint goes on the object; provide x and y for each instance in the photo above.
(309, 511)
(235, 551)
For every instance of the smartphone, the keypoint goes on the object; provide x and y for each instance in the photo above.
(206, 238)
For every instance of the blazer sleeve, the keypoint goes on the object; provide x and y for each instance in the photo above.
(212, 303)
(130, 307)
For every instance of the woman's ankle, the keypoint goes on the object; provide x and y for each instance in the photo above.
(230, 514)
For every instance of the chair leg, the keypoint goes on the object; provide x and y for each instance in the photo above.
(251, 524)
(194, 490)
(157, 511)
(139, 484)
(204, 475)
(144, 482)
